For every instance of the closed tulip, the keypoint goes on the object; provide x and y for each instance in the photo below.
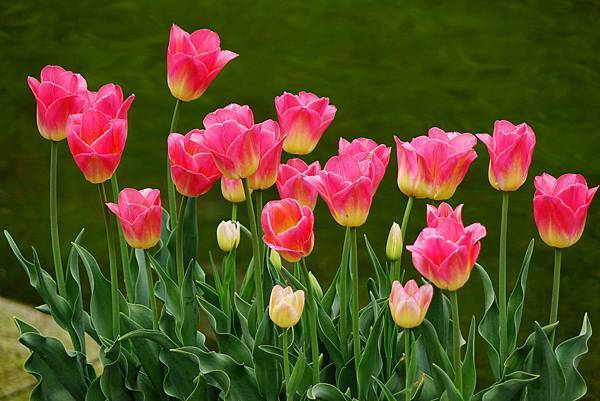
(347, 186)
(233, 190)
(560, 208)
(510, 148)
(97, 136)
(232, 139)
(192, 167)
(140, 216)
(303, 118)
(58, 94)
(288, 228)
(433, 166)
(270, 142)
(446, 251)
(286, 306)
(393, 247)
(368, 151)
(409, 303)
(228, 235)
(292, 182)
(193, 61)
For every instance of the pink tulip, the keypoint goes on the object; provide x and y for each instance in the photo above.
(59, 94)
(232, 139)
(433, 166)
(288, 228)
(193, 61)
(109, 100)
(303, 118)
(446, 251)
(510, 149)
(140, 215)
(368, 151)
(560, 208)
(232, 190)
(292, 182)
(347, 186)
(192, 168)
(270, 142)
(409, 304)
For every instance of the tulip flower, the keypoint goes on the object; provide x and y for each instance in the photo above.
(270, 142)
(433, 166)
(560, 208)
(275, 259)
(232, 138)
(192, 168)
(409, 303)
(58, 94)
(109, 100)
(510, 148)
(292, 182)
(288, 228)
(232, 190)
(228, 235)
(286, 306)
(140, 215)
(393, 247)
(193, 61)
(303, 118)
(367, 151)
(347, 186)
(446, 251)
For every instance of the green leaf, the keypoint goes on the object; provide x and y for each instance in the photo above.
(543, 361)
(142, 295)
(94, 392)
(296, 376)
(439, 314)
(511, 388)
(435, 351)
(370, 362)
(326, 392)
(452, 393)
(387, 394)
(469, 370)
(383, 281)
(190, 231)
(329, 336)
(188, 325)
(490, 323)
(266, 368)
(516, 361)
(516, 300)
(569, 354)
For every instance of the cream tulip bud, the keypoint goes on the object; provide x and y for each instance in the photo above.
(228, 235)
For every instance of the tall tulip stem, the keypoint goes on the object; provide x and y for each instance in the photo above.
(170, 186)
(502, 280)
(112, 259)
(129, 286)
(258, 266)
(58, 267)
(179, 241)
(555, 290)
(456, 337)
(406, 216)
(344, 326)
(286, 364)
(312, 323)
(151, 296)
(259, 208)
(408, 382)
(355, 300)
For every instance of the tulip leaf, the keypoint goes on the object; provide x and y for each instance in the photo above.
(511, 388)
(190, 231)
(434, 349)
(469, 370)
(188, 325)
(326, 392)
(489, 325)
(266, 368)
(370, 362)
(141, 295)
(569, 354)
(516, 300)
(383, 281)
(297, 376)
(329, 336)
(451, 393)
(387, 394)
(542, 361)
(439, 315)
(94, 392)
(516, 361)
(181, 378)
(166, 249)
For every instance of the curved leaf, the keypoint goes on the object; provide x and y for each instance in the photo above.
(569, 354)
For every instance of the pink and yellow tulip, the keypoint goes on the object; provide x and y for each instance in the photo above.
(286, 306)
(232, 190)
(193, 61)
(433, 166)
(367, 151)
(409, 303)
(270, 142)
(292, 182)
(560, 208)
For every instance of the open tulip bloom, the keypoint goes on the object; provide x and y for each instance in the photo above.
(261, 337)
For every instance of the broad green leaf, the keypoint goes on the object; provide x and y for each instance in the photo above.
(182, 372)
(329, 336)
(267, 370)
(516, 361)
(516, 300)
(469, 370)
(326, 392)
(383, 281)
(511, 388)
(437, 354)
(452, 392)
(300, 367)
(188, 326)
(94, 392)
(142, 295)
(569, 354)
(190, 231)
(387, 394)
(439, 314)
(370, 362)
(489, 325)
(542, 361)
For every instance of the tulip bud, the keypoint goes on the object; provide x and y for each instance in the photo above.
(393, 248)
(314, 283)
(286, 306)
(275, 259)
(228, 235)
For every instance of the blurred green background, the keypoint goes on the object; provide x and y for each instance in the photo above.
(390, 67)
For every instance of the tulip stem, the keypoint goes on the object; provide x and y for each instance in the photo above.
(456, 337)
(355, 301)
(502, 280)
(179, 241)
(234, 212)
(555, 291)
(408, 382)
(312, 323)
(170, 186)
(258, 267)
(123, 246)
(58, 267)
(344, 293)
(259, 208)
(407, 209)
(151, 296)
(114, 273)
(286, 364)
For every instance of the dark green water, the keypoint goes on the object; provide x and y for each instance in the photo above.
(391, 67)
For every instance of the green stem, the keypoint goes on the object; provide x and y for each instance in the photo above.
(355, 300)
(129, 286)
(179, 242)
(234, 212)
(286, 364)
(258, 266)
(259, 208)
(58, 267)
(555, 290)
(407, 391)
(151, 296)
(344, 333)
(456, 337)
(312, 324)
(114, 274)
(395, 270)
(502, 280)
(170, 186)
(407, 209)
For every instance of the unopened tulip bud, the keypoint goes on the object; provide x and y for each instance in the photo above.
(275, 259)
(393, 248)
(286, 306)
(228, 235)
(314, 283)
